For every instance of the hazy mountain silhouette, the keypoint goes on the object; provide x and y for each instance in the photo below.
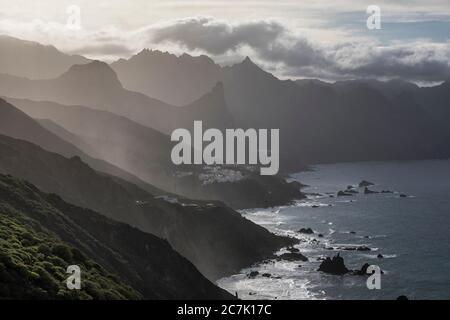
(324, 122)
(157, 73)
(255, 98)
(68, 136)
(435, 101)
(364, 123)
(124, 142)
(66, 234)
(390, 89)
(145, 152)
(15, 123)
(96, 85)
(218, 240)
(33, 60)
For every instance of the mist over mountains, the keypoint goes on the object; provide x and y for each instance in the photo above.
(319, 122)
(358, 120)
(85, 146)
(145, 152)
(96, 85)
(16, 124)
(32, 60)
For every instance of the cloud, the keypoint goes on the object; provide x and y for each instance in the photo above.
(217, 36)
(417, 61)
(284, 50)
(271, 42)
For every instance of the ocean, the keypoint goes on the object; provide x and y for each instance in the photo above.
(412, 234)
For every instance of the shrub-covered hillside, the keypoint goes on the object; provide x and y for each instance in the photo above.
(41, 234)
(33, 264)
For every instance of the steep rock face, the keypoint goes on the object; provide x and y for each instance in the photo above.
(334, 265)
(157, 73)
(218, 240)
(42, 235)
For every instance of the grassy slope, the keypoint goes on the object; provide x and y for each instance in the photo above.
(33, 262)
(40, 235)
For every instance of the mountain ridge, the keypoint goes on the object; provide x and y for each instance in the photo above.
(33, 60)
(145, 153)
(103, 91)
(16, 123)
(215, 238)
(320, 122)
(143, 261)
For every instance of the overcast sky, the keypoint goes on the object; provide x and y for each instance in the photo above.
(327, 39)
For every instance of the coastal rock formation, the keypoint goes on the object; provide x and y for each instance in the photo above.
(363, 270)
(354, 248)
(333, 265)
(368, 191)
(298, 185)
(306, 231)
(293, 256)
(365, 183)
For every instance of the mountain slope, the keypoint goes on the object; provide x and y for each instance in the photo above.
(96, 85)
(145, 152)
(157, 74)
(320, 122)
(17, 124)
(68, 136)
(41, 235)
(435, 101)
(32, 60)
(218, 240)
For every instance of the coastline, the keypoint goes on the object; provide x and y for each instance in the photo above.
(365, 227)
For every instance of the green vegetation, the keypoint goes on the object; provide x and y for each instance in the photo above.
(33, 262)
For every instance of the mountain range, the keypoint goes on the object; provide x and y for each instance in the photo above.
(86, 175)
(192, 76)
(33, 60)
(209, 234)
(319, 122)
(145, 152)
(96, 85)
(17, 124)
